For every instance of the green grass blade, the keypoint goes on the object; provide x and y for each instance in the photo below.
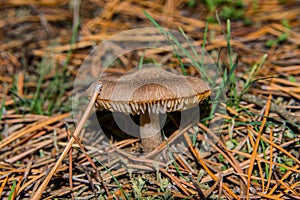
(141, 61)
(12, 190)
(113, 177)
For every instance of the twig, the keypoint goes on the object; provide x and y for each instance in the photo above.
(3, 185)
(271, 160)
(86, 171)
(285, 185)
(91, 162)
(212, 188)
(21, 84)
(220, 188)
(30, 129)
(196, 153)
(26, 174)
(231, 159)
(42, 187)
(176, 181)
(254, 154)
(277, 146)
(200, 193)
(70, 166)
(273, 108)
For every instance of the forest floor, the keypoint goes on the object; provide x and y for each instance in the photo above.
(253, 153)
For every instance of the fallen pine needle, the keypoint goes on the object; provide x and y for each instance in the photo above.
(42, 187)
(254, 154)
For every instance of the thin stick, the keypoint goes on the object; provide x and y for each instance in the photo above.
(21, 84)
(70, 167)
(196, 153)
(29, 129)
(98, 175)
(271, 160)
(176, 181)
(273, 107)
(254, 154)
(39, 192)
(3, 185)
(200, 193)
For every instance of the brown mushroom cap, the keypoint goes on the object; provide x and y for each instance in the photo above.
(151, 90)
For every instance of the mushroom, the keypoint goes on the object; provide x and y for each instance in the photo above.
(149, 92)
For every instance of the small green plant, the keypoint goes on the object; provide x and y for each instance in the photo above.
(228, 12)
(281, 38)
(213, 4)
(49, 93)
(229, 9)
(287, 161)
(221, 158)
(230, 77)
(44, 68)
(251, 78)
(290, 134)
(282, 1)
(112, 175)
(138, 186)
(192, 3)
(164, 187)
(292, 79)
(230, 144)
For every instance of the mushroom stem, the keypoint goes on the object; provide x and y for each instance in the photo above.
(150, 131)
